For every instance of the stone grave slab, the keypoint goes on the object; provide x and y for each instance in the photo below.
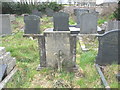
(108, 48)
(2, 71)
(5, 24)
(32, 24)
(61, 21)
(88, 23)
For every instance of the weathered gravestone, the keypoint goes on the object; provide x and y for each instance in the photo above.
(113, 25)
(61, 21)
(32, 24)
(5, 24)
(49, 12)
(58, 50)
(37, 13)
(78, 13)
(88, 24)
(108, 48)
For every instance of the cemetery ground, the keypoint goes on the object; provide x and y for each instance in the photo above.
(27, 55)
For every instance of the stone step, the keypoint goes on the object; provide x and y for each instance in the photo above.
(5, 58)
(2, 51)
(11, 65)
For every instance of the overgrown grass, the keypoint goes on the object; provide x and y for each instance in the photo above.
(27, 54)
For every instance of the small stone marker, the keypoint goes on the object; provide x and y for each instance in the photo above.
(5, 24)
(49, 12)
(108, 48)
(61, 21)
(32, 24)
(37, 13)
(88, 24)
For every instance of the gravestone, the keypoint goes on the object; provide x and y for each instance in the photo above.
(32, 24)
(49, 12)
(12, 18)
(108, 48)
(113, 25)
(61, 21)
(37, 13)
(78, 13)
(88, 24)
(58, 47)
(5, 24)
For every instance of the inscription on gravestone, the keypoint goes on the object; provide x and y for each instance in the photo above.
(88, 24)
(61, 21)
(108, 48)
(32, 24)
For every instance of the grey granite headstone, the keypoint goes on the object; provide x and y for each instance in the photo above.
(88, 24)
(61, 21)
(37, 13)
(49, 12)
(108, 48)
(78, 13)
(5, 24)
(113, 25)
(32, 24)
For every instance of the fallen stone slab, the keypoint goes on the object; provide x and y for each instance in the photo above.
(2, 71)
(10, 65)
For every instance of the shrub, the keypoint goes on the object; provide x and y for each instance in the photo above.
(23, 8)
(117, 12)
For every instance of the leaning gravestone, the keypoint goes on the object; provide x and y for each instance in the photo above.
(37, 13)
(108, 48)
(88, 24)
(113, 25)
(32, 24)
(61, 21)
(49, 12)
(5, 24)
(78, 13)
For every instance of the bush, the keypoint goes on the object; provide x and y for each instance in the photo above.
(23, 8)
(117, 12)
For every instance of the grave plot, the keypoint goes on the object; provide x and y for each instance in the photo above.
(7, 67)
(26, 52)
